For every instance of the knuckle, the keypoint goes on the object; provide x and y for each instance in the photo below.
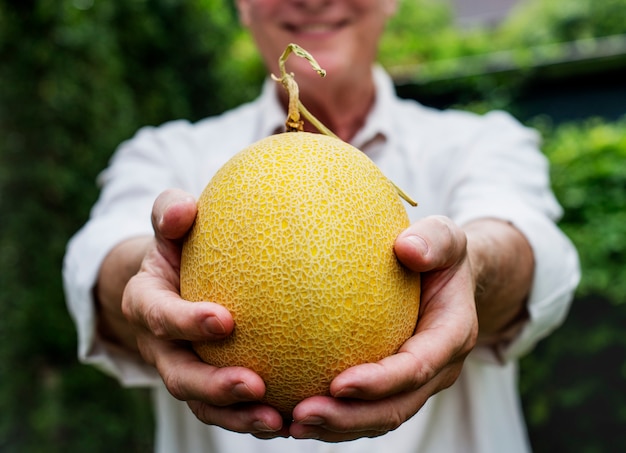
(451, 232)
(202, 411)
(145, 350)
(392, 421)
(446, 225)
(127, 300)
(423, 374)
(233, 419)
(450, 377)
(173, 383)
(422, 371)
(156, 324)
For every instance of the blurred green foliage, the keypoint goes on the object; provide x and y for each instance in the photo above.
(77, 77)
(495, 65)
(424, 31)
(589, 175)
(573, 383)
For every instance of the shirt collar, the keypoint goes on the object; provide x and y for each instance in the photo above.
(378, 124)
(272, 119)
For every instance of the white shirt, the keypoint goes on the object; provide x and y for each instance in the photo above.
(453, 163)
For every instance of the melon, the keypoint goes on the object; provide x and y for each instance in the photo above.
(294, 235)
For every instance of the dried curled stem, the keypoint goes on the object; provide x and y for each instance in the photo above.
(294, 123)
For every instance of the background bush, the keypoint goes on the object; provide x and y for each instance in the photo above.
(573, 383)
(79, 76)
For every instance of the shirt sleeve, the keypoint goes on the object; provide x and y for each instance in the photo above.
(504, 175)
(140, 169)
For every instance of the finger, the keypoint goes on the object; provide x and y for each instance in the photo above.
(431, 243)
(260, 420)
(173, 213)
(188, 378)
(380, 397)
(400, 373)
(445, 335)
(338, 420)
(332, 420)
(216, 395)
(161, 311)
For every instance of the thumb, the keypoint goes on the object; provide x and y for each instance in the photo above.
(431, 243)
(173, 214)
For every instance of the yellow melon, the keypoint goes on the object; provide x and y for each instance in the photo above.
(294, 235)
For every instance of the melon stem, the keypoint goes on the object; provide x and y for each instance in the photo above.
(294, 123)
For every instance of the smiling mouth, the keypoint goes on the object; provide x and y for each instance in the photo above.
(314, 29)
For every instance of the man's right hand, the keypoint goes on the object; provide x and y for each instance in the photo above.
(164, 325)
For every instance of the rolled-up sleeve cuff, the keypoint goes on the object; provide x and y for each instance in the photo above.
(556, 276)
(79, 276)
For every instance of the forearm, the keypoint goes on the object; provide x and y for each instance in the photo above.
(503, 265)
(122, 263)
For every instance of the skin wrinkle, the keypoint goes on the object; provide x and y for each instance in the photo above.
(173, 383)
(156, 323)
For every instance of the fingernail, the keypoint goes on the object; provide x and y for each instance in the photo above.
(213, 326)
(242, 391)
(310, 435)
(312, 420)
(420, 244)
(260, 425)
(346, 392)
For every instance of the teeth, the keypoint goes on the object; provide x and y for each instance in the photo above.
(316, 28)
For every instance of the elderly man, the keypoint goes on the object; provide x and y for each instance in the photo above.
(498, 275)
